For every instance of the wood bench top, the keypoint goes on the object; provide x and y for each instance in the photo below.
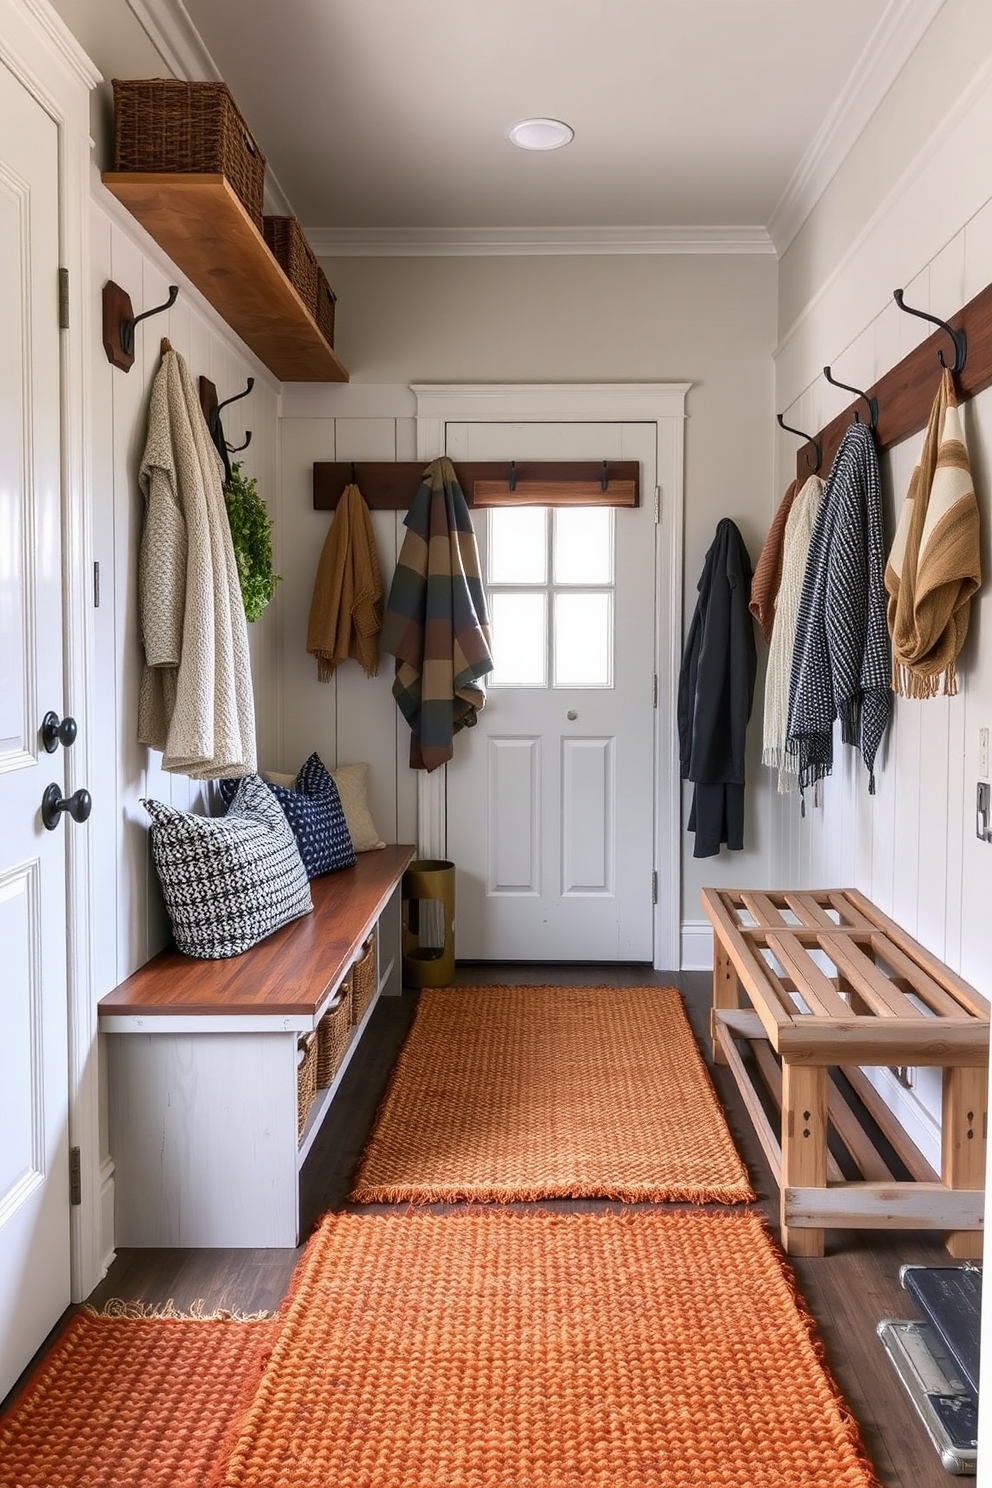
(833, 977)
(288, 973)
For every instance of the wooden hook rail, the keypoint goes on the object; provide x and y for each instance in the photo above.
(906, 392)
(392, 485)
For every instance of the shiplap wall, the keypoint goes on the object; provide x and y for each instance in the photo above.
(130, 920)
(353, 718)
(911, 848)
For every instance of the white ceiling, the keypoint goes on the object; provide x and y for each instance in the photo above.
(716, 121)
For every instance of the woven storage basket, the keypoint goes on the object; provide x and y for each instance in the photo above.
(333, 1036)
(294, 255)
(326, 300)
(165, 125)
(306, 1081)
(364, 981)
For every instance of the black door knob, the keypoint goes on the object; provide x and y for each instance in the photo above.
(56, 731)
(53, 803)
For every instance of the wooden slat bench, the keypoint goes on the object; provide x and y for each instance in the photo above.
(820, 983)
(202, 1067)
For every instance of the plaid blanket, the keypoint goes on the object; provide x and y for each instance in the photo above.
(935, 565)
(436, 621)
(841, 660)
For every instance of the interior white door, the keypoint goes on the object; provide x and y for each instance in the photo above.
(550, 797)
(34, 1169)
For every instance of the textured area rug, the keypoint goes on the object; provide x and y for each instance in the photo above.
(134, 1403)
(493, 1349)
(504, 1093)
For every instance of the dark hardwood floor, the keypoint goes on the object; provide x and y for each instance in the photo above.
(847, 1291)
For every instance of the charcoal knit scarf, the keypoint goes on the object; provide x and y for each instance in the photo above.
(841, 663)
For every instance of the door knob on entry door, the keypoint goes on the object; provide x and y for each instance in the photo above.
(53, 803)
(56, 731)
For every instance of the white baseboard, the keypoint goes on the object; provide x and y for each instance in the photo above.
(697, 945)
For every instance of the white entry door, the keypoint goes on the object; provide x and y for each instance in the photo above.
(550, 797)
(34, 1168)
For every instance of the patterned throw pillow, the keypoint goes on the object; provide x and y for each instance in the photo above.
(228, 881)
(314, 813)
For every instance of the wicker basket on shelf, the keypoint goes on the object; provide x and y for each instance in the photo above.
(333, 1036)
(306, 1081)
(364, 981)
(294, 256)
(169, 126)
(326, 300)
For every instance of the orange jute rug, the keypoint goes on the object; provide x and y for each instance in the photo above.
(134, 1402)
(521, 1093)
(488, 1348)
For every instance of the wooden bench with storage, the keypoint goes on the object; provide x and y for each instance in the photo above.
(830, 986)
(212, 1065)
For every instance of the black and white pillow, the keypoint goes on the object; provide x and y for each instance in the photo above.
(314, 812)
(228, 881)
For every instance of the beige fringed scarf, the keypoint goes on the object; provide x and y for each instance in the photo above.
(346, 608)
(935, 564)
(803, 510)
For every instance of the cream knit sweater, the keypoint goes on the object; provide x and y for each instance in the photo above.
(798, 530)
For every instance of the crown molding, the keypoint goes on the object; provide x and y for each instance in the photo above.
(896, 36)
(499, 242)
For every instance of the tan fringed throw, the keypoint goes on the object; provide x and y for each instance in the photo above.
(935, 564)
(768, 569)
(346, 608)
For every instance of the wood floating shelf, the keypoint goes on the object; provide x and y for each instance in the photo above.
(906, 392)
(202, 225)
(390, 485)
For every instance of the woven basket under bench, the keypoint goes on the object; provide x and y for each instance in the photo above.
(163, 125)
(364, 980)
(333, 1036)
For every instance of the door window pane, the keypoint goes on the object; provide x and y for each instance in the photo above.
(518, 545)
(583, 639)
(583, 545)
(520, 638)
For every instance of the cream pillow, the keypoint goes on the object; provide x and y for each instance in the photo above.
(352, 784)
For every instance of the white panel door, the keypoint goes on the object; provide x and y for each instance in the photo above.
(34, 1170)
(550, 797)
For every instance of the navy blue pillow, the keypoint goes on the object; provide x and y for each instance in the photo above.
(314, 813)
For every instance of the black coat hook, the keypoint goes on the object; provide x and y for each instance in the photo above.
(119, 321)
(513, 475)
(872, 402)
(128, 325)
(958, 337)
(354, 474)
(604, 479)
(817, 452)
(234, 448)
(237, 396)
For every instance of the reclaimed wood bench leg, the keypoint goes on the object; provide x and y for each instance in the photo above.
(804, 1148)
(726, 992)
(963, 1141)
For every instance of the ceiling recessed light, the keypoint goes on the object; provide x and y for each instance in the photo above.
(540, 134)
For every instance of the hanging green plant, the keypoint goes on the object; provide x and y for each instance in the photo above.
(251, 532)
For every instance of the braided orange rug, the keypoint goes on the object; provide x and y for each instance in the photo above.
(133, 1403)
(493, 1349)
(504, 1093)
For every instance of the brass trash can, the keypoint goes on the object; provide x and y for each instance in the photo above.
(429, 923)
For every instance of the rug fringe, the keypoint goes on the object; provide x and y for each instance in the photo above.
(117, 1307)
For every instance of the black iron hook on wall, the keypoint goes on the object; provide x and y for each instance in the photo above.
(119, 321)
(872, 402)
(958, 337)
(808, 439)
